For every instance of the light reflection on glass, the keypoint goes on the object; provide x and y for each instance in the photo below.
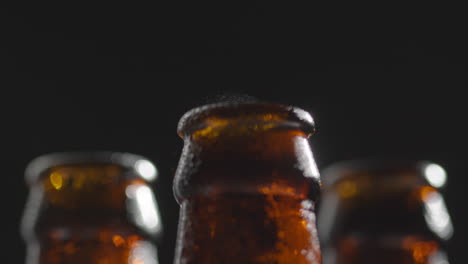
(436, 215)
(329, 255)
(306, 162)
(438, 258)
(146, 169)
(32, 212)
(143, 253)
(56, 180)
(435, 175)
(144, 207)
(328, 216)
(303, 115)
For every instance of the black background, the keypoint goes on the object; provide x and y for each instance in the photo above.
(380, 80)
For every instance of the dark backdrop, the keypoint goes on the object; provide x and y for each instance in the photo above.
(382, 80)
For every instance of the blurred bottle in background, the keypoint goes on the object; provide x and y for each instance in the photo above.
(382, 211)
(247, 184)
(95, 208)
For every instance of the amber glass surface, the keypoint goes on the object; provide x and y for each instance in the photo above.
(247, 185)
(403, 250)
(79, 213)
(382, 212)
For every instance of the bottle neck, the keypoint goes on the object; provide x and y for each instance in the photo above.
(96, 214)
(247, 185)
(247, 228)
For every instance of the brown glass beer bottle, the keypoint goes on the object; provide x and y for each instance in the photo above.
(94, 208)
(247, 185)
(383, 211)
